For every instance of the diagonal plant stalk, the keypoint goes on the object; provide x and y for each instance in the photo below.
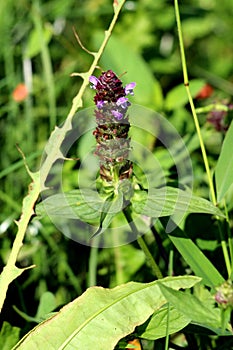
(10, 271)
(198, 129)
(142, 244)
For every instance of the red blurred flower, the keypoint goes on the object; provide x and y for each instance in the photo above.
(205, 92)
(20, 93)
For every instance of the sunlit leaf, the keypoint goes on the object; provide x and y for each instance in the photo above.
(194, 257)
(167, 201)
(102, 316)
(200, 312)
(161, 323)
(85, 205)
(9, 336)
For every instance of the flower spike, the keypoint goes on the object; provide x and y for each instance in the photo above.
(111, 133)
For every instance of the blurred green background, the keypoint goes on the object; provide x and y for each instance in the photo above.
(39, 50)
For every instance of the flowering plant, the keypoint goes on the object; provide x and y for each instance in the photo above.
(121, 203)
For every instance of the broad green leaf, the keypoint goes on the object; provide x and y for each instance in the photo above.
(158, 326)
(177, 97)
(85, 205)
(199, 312)
(194, 257)
(148, 91)
(102, 316)
(224, 167)
(9, 336)
(167, 201)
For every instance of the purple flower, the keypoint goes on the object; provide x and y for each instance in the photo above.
(100, 104)
(129, 88)
(123, 102)
(117, 114)
(94, 81)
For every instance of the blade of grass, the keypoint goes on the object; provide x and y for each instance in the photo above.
(194, 257)
(47, 64)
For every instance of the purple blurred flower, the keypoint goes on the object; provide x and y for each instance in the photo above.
(129, 88)
(123, 102)
(224, 295)
(118, 115)
(94, 81)
(100, 104)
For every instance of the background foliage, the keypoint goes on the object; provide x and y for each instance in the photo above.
(38, 48)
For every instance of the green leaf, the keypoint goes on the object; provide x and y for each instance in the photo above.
(195, 27)
(199, 312)
(224, 167)
(9, 336)
(102, 316)
(85, 205)
(33, 47)
(167, 201)
(177, 97)
(46, 305)
(194, 257)
(112, 205)
(158, 326)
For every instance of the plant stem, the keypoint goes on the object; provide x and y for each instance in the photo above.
(10, 271)
(93, 263)
(159, 244)
(155, 268)
(196, 122)
(198, 129)
(230, 240)
(167, 328)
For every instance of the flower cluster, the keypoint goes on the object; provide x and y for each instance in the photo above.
(221, 119)
(111, 133)
(110, 97)
(224, 295)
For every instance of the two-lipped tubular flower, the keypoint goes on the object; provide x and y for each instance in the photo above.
(129, 88)
(110, 95)
(111, 133)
